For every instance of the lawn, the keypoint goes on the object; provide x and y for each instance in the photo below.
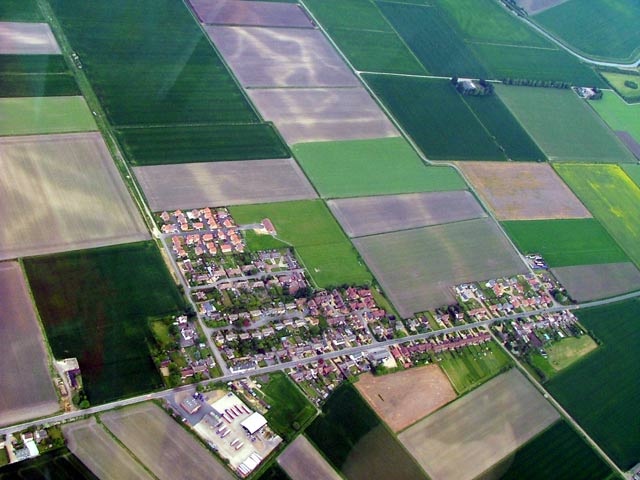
(474, 365)
(323, 248)
(612, 197)
(619, 115)
(601, 391)
(353, 438)
(290, 410)
(447, 130)
(604, 29)
(563, 125)
(566, 242)
(20, 11)
(428, 33)
(569, 350)
(353, 168)
(617, 81)
(37, 115)
(95, 306)
(206, 143)
(559, 453)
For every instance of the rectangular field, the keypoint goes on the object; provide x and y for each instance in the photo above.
(352, 437)
(38, 115)
(418, 268)
(309, 226)
(281, 57)
(90, 442)
(353, 168)
(428, 33)
(618, 81)
(21, 64)
(447, 130)
(27, 39)
(563, 125)
(162, 444)
(59, 463)
(593, 282)
(192, 185)
(68, 186)
(563, 243)
(37, 85)
(321, 114)
(403, 398)
(467, 437)
(600, 392)
(109, 294)
(259, 14)
(558, 453)
(302, 461)
(523, 191)
(612, 197)
(27, 386)
(382, 214)
(20, 11)
(618, 114)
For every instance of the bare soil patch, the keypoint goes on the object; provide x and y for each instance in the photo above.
(101, 454)
(27, 38)
(60, 193)
(536, 6)
(523, 191)
(246, 12)
(403, 398)
(593, 282)
(302, 461)
(467, 437)
(27, 390)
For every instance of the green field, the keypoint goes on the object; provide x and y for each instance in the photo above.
(618, 114)
(322, 246)
(59, 464)
(353, 438)
(37, 85)
(354, 168)
(633, 171)
(186, 144)
(557, 453)
(617, 81)
(612, 197)
(21, 64)
(39, 115)
(473, 365)
(364, 36)
(605, 29)
(428, 33)
(447, 129)
(95, 305)
(20, 11)
(567, 242)
(601, 391)
(504, 128)
(563, 125)
(290, 410)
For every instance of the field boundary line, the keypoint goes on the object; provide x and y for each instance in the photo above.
(410, 229)
(510, 45)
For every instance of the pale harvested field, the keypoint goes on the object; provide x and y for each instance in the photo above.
(403, 398)
(194, 185)
(319, 114)
(281, 57)
(536, 6)
(247, 12)
(593, 282)
(389, 213)
(27, 389)
(467, 437)
(302, 461)
(523, 191)
(27, 38)
(100, 453)
(162, 444)
(418, 268)
(62, 192)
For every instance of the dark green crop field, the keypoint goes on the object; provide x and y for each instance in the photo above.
(38, 85)
(435, 115)
(601, 392)
(504, 127)
(428, 33)
(185, 144)
(59, 464)
(566, 242)
(32, 64)
(354, 439)
(94, 305)
(20, 11)
(557, 453)
(150, 63)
